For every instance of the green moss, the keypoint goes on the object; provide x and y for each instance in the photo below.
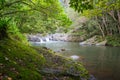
(19, 61)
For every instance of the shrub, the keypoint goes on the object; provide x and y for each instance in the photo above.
(113, 40)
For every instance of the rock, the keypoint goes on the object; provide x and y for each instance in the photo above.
(9, 78)
(82, 43)
(74, 57)
(92, 41)
(67, 37)
(103, 43)
(92, 78)
(62, 49)
(51, 71)
(6, 59)
(45, 48)
(60, 67)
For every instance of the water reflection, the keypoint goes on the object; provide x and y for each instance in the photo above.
(103, 62)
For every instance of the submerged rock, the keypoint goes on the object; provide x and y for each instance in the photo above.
(92, 78)
(74, 57)
(62, 49)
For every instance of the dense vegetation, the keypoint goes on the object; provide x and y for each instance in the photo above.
(18, 59)
(104, 18)
(33, 16)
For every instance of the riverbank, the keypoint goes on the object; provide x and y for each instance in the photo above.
(20, 61)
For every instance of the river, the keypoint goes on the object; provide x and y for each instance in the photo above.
(101, 61)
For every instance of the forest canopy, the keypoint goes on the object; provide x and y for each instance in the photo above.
(104, 17)
(104, 12)
(33, 16)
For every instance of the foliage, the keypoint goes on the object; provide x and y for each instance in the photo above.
(33, 16)
(94, 5)
(3, 28)
(64, 23)
(80, 5)
(9, 29)
(90, 26)
(105, 14)
(113, 40)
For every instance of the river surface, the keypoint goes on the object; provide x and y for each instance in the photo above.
(102, 62)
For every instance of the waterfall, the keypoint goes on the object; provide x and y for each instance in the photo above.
(38, 39)
(41, 41)
(47, 39)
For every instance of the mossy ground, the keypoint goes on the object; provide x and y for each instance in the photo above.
(23, 62)
(19, 61)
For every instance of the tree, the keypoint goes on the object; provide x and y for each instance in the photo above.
(105, 12)
(34, 15)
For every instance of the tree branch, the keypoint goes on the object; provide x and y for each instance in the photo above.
(14, 12)
(10, 4)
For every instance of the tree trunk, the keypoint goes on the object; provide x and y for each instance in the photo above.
(111, 13)
(100, 28)
(3, 33)
(104, 18)
(118, 14)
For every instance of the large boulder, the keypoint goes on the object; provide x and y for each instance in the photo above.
(103, 43)
(93, 41)
(67, 37)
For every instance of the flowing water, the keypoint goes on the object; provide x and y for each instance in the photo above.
(102, 62)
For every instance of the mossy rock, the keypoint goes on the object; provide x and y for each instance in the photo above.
(58, 65)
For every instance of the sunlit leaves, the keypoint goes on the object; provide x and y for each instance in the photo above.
(81, 5)
(103, 5)
(35, 15)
